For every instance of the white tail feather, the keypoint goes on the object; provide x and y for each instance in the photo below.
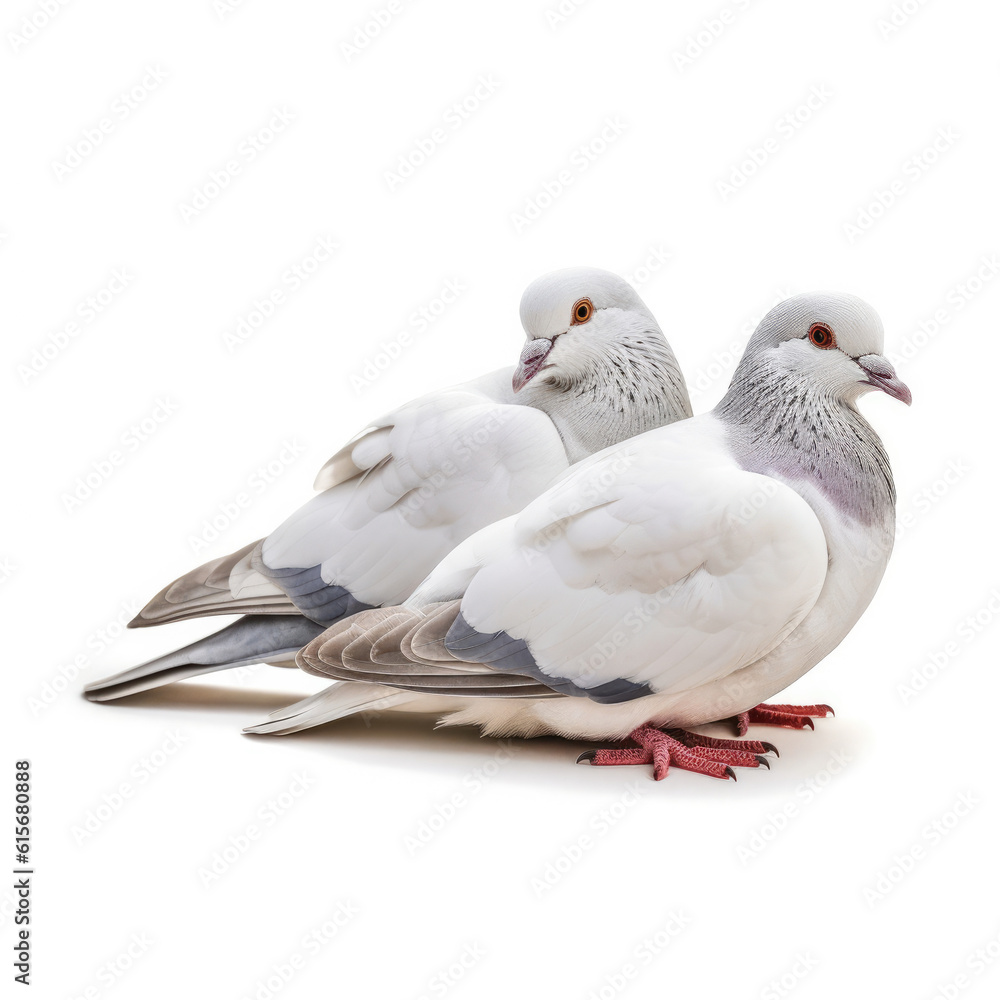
(335, 702)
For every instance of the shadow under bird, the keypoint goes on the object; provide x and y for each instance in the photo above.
(679, 578)
(596, 369)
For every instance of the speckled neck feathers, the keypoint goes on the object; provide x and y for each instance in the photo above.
(636, 386)
(782, 425)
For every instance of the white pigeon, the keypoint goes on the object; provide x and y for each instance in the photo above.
(596, 369)
(680, 578)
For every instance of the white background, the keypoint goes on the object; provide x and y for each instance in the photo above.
(758, 911)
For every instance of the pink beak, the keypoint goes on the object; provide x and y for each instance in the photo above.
(530, 363)
(883, 376)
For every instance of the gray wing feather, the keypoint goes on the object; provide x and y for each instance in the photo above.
(205, 591)
(344, 652)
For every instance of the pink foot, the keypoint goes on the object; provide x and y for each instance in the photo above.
(789, 716)
(688, 751)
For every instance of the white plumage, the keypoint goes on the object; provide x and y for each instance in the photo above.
(432, 472)
(679, 578)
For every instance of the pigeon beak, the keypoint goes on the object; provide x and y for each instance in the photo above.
(532, 358)
(881, 375)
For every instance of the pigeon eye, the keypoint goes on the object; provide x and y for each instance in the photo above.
(582, 311)
(822, 336)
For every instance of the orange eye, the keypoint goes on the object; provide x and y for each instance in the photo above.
(582, 311)
(822, 336)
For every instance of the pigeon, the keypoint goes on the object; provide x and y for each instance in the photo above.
(596, 369)
(679, 578)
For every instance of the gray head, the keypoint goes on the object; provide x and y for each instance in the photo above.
(596, 359)
(830, 342)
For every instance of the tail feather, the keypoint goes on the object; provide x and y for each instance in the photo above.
(334, 702)
(253, 639)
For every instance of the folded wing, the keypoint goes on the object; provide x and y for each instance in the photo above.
(394, 501)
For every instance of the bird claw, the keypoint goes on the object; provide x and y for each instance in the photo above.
(688, 751)
(788, 716)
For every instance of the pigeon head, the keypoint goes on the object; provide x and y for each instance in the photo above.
(792, 411)
(828, 341)
(596, 361)
(573, 319)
